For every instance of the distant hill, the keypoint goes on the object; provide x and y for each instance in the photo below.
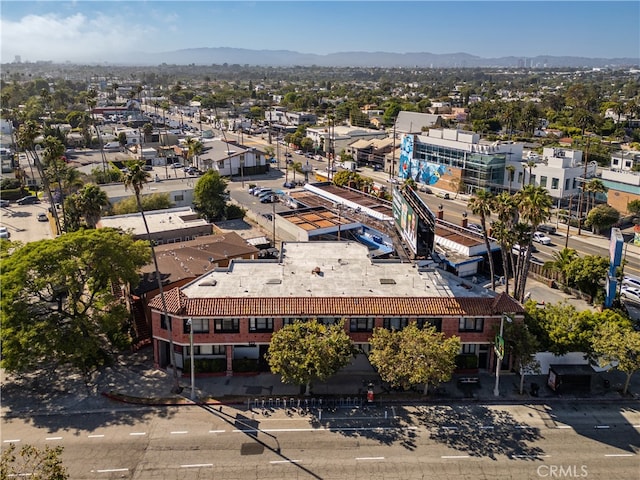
(281, 58)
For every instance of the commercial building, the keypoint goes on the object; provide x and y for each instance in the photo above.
(234, 311)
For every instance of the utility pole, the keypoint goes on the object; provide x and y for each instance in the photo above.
(393, 152)
(584, 181)
(566, 240)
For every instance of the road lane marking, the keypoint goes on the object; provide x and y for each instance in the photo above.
(217, 431)
(322, 429)
(95, 436)
(179, 432)
(530, 456)
(11, 441)
(522, 427)
(369, 458)
(110, 470)
(53, 438)
(563, 426)
(602, 426)
(284, 461)
(619, 455)
(197, 465)
(486, 427)
(137, 434)
(449, 428)
(454, 456)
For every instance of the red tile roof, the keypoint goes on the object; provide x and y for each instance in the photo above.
(179, 304)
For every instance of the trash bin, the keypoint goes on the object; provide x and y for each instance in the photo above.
(534, 389)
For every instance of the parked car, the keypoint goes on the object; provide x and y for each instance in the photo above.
(147, 168)
(550, 229)
(4, 203)
(516, 249)
(630, 293)
(265, 194)
(42, 217)
(444, 195)
(177, 165)
(476, 227)
(28, 200)
(258, 192)
(424, 189)
(630, 282)
(289, 184)
(4, 232)
(268, 198)
(541, 238)
(288, 154)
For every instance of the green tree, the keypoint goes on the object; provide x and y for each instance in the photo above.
(616, 342)
(481, 204)
(560, 263)
(593, 187)
(209, 195)
(91, 202)
(194, 149)
(150, 202)
(602, 217)
(135, 178)
(413, 356)
(634, 207)
(588, 273)
(523, 346)
(32, 462)
(57, 300)
(304, 351)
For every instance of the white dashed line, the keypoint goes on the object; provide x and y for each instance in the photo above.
(110, 470)
(454, 456)
(95, 436)
(179, 432)
(217, 431)
(486, 427)
(563, 426)
(137, 434)
(620, 455)
(53, 438)
(601, 426)
(530, 456)
(369, 458)
(197, 465)
(522, 427)
(284, 461)
(449, 428)
(11, 441)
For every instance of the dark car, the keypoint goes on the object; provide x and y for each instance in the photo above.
(4, 203)
(547, 229)
(28, 200)
(289, 184)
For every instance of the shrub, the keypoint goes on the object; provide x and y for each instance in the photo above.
(205, 365)
(235, 211)
(466, 361)
(245, 365)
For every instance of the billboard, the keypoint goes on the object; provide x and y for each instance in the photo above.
(406, 220)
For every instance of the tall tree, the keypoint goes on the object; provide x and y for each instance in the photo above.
(413, 356)
(511, 170)
(560, 263)
(593, 187)
(58, 307)
(91, 201)
(194, 149)
(209, 195)
(481, 204)
(304, 351)
(617, 343)
(602, 217)
(135, 178)
(523, 346)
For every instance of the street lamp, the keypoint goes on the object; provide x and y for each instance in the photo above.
(499, 350)
(193, 372)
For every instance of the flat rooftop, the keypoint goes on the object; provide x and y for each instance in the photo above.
(328, 269)
(159, 221)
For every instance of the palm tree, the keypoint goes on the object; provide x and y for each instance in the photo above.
(511, 170)
(26, 139)
(90, 201)
(560, 262)
(535, 208)
(194, 149)
(135, 178)
(593, 187)
(481, 205)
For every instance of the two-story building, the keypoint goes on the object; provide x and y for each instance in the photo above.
(235, 310)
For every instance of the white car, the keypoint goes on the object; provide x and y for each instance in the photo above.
(516, 249)
(630, 293)
(4, 232)
(541, 238)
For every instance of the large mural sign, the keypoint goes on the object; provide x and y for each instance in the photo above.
(406, 220)
(421, 171)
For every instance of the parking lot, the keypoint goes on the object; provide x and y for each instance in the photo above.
(22, 222)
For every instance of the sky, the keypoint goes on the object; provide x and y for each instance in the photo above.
(84, 30)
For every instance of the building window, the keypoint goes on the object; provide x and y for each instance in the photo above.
(220, 164)
(200, 325)
(362, 324)
(471, 325)
(615, 162)
(532, 180)
(178, 198)
(555, 182)
(395, 323)
(226, 325)
(469, 348)
(328, 321)
(430, 322)
(261, 324)
(519, 177)
(164, 324)
(291, 320)
(543, 181)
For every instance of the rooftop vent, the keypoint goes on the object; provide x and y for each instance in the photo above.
(274, 281)
(387, 281)
(209, 283)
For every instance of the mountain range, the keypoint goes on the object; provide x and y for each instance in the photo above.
(283, 58)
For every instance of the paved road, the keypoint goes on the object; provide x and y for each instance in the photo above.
(478, 441)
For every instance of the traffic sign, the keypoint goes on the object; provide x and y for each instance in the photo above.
(498, 346)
